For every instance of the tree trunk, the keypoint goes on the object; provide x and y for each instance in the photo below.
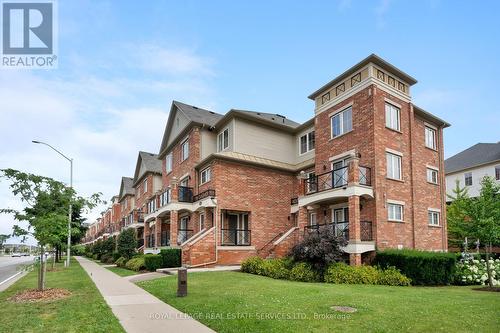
(41, 271)
(488, 267)
(56, 253)
(54, 260)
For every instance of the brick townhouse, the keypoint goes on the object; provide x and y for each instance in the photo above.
(368, 164)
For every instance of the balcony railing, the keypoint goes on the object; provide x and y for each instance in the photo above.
(366, 231)
(335, 179)
(235, 237)
(340, 229)
(185, 194)
(184, 234)
(203, 195)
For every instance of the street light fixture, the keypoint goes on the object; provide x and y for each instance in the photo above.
(70, 204)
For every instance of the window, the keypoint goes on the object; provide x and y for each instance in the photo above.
(202, 221)
(223, 140)
(145, 186)
(395, 212)
(307, 142)
(342, 122)
(168, 163)
(497, 172)
(312, 219)
(468, 179)
(430, 137)
(185, 149)
(433, 217)
(392, 117)
(432, 176)
(205, 175)
(393, 166)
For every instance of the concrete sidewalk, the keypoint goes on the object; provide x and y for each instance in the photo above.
(136, 309)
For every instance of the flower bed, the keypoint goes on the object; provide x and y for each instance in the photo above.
(473, 272)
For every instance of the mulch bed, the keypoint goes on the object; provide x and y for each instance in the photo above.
(493, 289)
(34, 295)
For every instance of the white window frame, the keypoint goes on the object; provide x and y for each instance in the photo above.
(310, 138)
(394, 160)
(466, 176)
(433, 217)
(223, 140)
(185, 149)
(145, 186)
(208, 175)
(201, 221)
(341, 116)
(430, 137)
(497, 172)
(392, 208)
(392, 117)
(313, 219)
(169, 162)
(430, 175)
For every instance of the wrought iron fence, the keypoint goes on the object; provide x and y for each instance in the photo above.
(235, 237)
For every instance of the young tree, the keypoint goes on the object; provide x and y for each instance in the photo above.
(3, 239)
(45, 215)
(126, 243)
(478, 218)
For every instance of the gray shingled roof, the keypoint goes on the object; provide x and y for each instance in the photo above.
(198, 115)
(269, 117)
(478, 154)
(146, 162)
(126, 187)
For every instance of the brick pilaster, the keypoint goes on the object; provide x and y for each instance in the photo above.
(174, 220)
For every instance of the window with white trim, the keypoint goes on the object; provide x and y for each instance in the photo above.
(145, 186)
(185, 149)
(202, 221)
(392, 117)
(307, 142)
(468, 178)
(341, 122)
(395, 212)
(433, 217)
(432, 176)
(497, 172)
(430, 137)
(223, 140)
(312, 219)
(205, 175)
(393, 166)
(168, 162)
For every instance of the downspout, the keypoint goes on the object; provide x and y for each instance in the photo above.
(412, 122)
(442, 189)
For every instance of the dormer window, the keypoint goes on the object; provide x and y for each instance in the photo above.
(223, 140)
(307, 142)
(185, 149)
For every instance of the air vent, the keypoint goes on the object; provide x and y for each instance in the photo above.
(279, 115)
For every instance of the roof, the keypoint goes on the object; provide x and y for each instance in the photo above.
(372, 58)
(146, 163)
(126, 187)
(272, 119)
(427, 115)
(479, 154)
(195, 115)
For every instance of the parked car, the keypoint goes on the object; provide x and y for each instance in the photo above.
(16, 255)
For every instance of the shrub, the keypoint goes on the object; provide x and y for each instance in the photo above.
(474, 272)
(342, 273)
(153, 262)
(275, 268)
(126, 243)
(136, 264)
(95, 257)
(252, 265)
(78, 250)
(116, 255)
(108, 246)
(107, 258)
(320, 249)
(120, 262)
(171, 257)
(422, 267)
(304, 272)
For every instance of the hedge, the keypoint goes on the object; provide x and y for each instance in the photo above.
(136, 263)
(422, 267)
(153, 262)
(120, 262)
(282, 268)
(342, 273)
(171, 258)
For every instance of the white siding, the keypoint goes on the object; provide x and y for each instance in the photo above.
(179, 123)
(477, 175)
(208, 143)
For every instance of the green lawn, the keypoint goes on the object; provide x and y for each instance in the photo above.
(122, 271)
(380, 308)
(83, 311)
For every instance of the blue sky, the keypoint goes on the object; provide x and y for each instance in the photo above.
(122, 62)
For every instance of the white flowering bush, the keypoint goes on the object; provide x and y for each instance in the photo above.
(474, 272)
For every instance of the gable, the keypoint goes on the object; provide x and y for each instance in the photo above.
(179, 123)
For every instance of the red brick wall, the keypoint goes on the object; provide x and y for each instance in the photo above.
(201, 252)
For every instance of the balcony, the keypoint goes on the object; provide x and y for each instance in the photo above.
(185, 194)
(235, 237)
(341, 229)
(203, 195)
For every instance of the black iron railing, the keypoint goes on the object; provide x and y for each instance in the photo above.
(366, 231)
(203, 195)
(235, 237)
(294, 201)
(365, 176)
(165, 197)
(340, 229)
(337, 178)
(183, 235)
(185, 194)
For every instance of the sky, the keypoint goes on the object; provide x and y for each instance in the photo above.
(121, 63)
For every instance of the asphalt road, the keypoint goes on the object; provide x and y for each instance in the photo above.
(10, 266)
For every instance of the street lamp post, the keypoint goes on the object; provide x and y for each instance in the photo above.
(70, 204)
